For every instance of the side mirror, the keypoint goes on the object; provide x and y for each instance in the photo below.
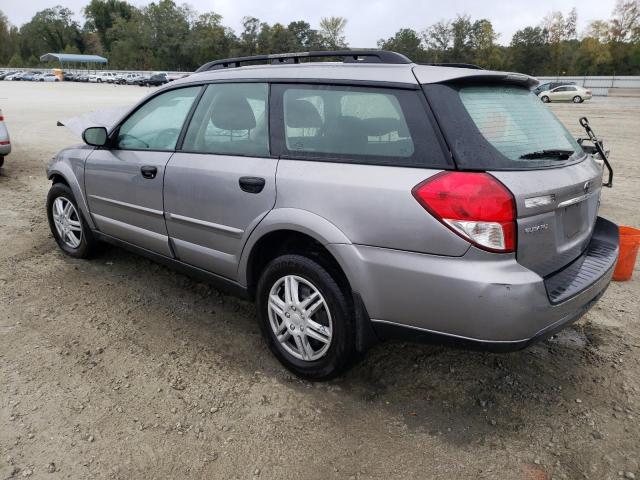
(95, 136)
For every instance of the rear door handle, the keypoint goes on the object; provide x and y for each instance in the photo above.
(251, 184)
(148, 171)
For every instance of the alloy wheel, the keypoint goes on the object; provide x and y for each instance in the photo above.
(300, 318)
(67, 222)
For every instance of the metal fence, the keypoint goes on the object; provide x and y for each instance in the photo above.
(598, 85)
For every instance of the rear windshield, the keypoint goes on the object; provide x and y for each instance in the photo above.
(517, 124)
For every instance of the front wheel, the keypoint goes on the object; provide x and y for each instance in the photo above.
(577, 99)
(306, 317)
(545, 99)
(69, 229)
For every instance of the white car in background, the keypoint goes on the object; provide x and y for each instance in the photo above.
(565, 93)
(124, 78)
(5, 142)
(49, 77)
(102, 77)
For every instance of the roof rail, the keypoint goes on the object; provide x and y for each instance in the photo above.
(348, 56)
(455, 65)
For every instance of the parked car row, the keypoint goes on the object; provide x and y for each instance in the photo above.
(29, 76)
(561, 91)
(143, 80)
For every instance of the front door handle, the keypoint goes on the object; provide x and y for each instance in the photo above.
(148, 171)
(251, 184)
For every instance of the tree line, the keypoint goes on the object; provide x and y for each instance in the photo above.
(166, 36)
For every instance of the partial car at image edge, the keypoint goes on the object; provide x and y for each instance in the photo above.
(5, 141)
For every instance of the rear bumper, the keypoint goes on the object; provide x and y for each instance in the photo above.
(479, 299)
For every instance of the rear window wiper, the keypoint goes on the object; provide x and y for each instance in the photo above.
(551, 153)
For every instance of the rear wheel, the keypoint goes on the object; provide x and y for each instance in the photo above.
(545, 99)
(306, 317)
(577, 99)
(70, 230)
(1, 160)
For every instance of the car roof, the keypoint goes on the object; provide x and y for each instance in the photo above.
(410, 74)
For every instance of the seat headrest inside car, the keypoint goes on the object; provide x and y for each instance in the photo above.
(302, 114)
(377, 127)
(232, 112)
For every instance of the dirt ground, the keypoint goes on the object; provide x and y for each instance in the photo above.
(120, 368)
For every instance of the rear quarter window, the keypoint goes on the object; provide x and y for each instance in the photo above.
(353, 124)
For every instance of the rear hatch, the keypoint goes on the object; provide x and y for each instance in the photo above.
(497, 125)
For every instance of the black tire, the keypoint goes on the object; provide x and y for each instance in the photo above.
(1, 161)
(545, 99)
(88, 243)
(341, 351)
(577, 99)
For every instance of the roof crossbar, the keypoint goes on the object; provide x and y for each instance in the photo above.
(348, 56)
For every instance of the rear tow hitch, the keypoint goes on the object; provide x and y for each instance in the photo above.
(596, 147)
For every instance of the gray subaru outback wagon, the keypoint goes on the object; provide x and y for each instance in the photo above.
(353, 200)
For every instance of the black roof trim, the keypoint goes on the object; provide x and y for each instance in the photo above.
(348, 56)
(455, 65)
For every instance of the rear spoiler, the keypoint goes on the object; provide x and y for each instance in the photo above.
(426, 74)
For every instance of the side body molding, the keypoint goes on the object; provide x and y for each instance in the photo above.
(302, 221)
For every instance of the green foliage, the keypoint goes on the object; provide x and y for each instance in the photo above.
(164, 35)
(50, 30)
(407, 42)
(16, 61)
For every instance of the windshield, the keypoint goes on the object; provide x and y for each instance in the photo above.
(517, 124)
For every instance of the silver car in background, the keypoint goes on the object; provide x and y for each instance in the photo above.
(5, 141)
(354, 201)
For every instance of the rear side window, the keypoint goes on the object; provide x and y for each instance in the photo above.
(517, 124)
(357, 125)
(231, 119)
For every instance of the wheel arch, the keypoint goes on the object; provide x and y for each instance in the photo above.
(61, 172)
(287, 228)
(299, 231)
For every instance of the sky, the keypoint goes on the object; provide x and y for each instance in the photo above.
(368, 20)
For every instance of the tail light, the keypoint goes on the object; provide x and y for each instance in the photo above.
(475, 206)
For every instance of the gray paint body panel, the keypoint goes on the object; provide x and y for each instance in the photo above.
(126, 205)
(371, 204)
(69, 164)
(208, 216)
(550, 236)
(480, 296)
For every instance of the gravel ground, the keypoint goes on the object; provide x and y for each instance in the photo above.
(120, 368)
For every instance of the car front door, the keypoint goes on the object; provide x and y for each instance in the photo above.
(124, 181)
(563, 93)
(221, 181)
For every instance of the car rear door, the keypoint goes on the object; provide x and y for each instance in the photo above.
(124, 182)
(221, 181)
(505, 130)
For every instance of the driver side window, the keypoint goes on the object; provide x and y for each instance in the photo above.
(156, 125)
